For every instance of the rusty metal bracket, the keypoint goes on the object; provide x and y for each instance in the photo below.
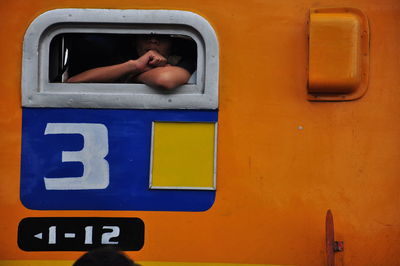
(332, 246)
(338, 246)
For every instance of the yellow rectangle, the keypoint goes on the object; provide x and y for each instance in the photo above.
(183, 155)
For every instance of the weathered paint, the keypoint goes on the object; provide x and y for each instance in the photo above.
(275, 182)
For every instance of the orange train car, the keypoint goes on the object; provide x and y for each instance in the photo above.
(281, 148)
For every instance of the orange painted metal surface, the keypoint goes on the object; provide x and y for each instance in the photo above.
(282, 160)
(338, 54)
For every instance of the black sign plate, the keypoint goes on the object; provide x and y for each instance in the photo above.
(80, 234)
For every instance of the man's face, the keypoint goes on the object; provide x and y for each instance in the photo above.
(159, 43)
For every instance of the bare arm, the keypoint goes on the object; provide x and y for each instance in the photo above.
(167, 77)
(105, 74)
(131, 67)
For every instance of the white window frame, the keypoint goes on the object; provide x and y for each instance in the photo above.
(37, 91)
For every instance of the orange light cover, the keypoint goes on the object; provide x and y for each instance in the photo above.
(338, 54)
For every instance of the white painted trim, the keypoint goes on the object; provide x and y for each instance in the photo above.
(38, 92)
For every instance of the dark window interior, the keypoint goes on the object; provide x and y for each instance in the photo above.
(73, 53)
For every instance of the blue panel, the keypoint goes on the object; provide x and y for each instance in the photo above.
(129, 140)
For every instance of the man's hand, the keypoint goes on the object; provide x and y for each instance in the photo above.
(150, 60)
(131, 68)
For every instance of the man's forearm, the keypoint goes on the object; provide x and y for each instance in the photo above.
(107, 73)
(168, 77)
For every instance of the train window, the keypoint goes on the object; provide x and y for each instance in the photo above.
(62, 43)
(71, 55)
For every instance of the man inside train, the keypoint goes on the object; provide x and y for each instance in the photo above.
(156, 64)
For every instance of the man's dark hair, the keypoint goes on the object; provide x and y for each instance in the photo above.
(104, 257)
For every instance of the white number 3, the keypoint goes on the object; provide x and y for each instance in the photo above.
(95, 148)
